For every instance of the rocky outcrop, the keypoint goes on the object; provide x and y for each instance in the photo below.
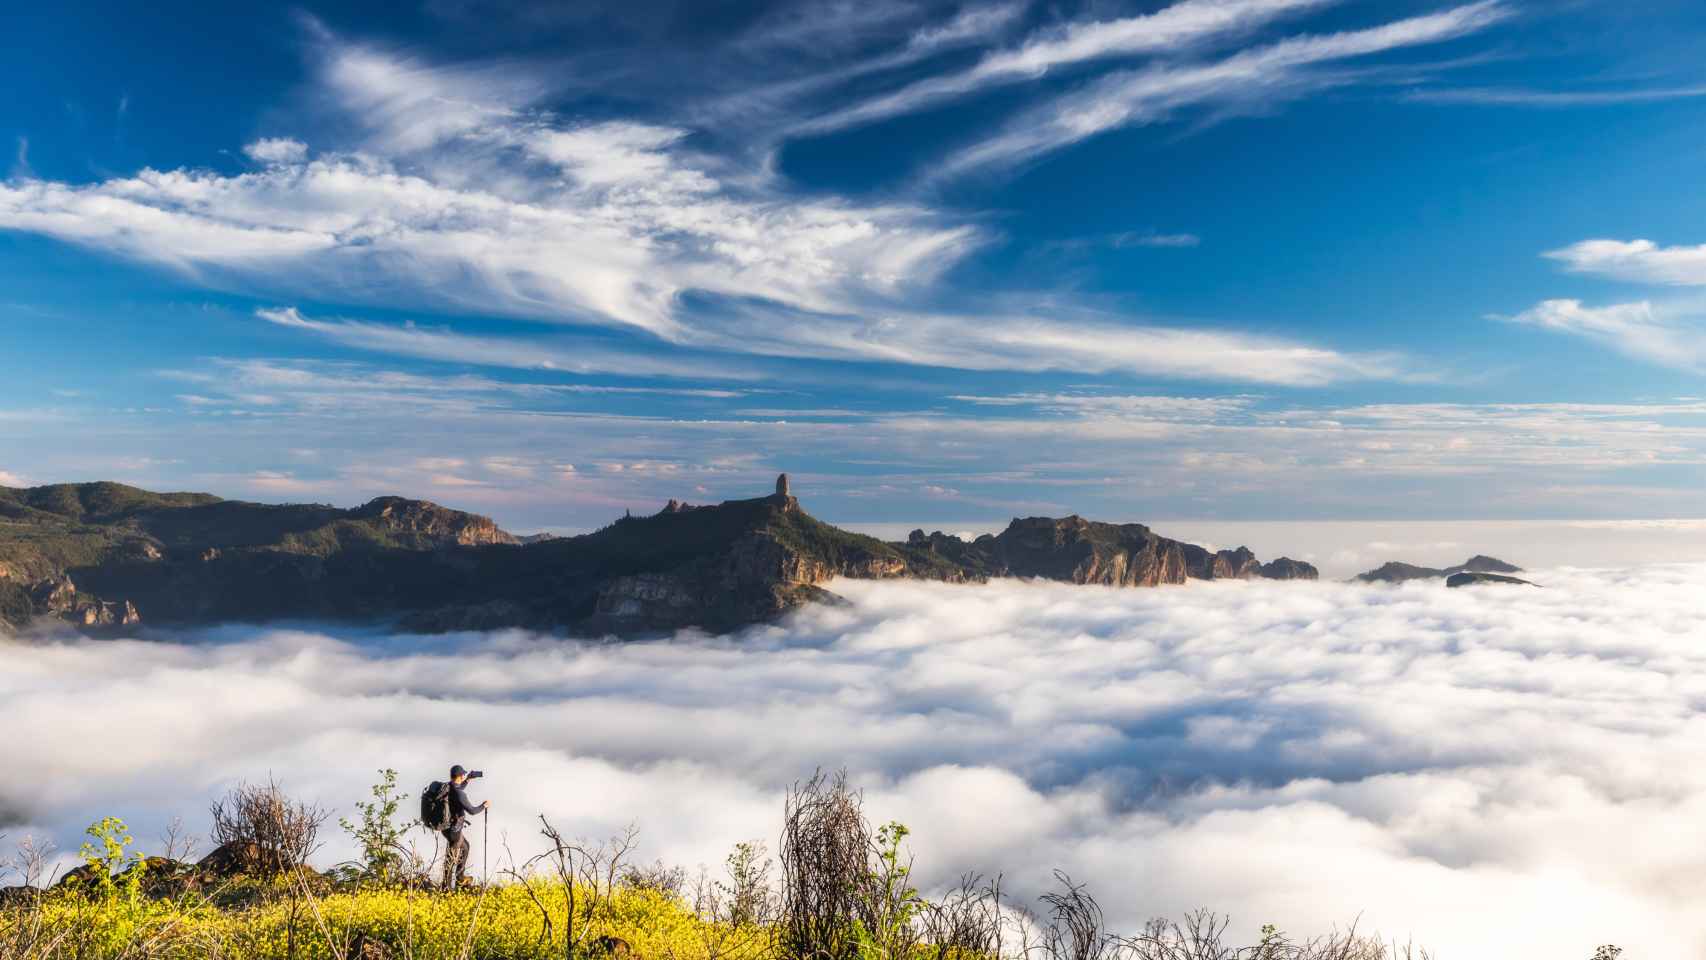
(1285, 568)
(424, 519)
(229, 860)
(1076, 550)
(1399, 572)
(58, 597)
(1480, 563)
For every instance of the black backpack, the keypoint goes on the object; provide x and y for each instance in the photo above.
(435, 806)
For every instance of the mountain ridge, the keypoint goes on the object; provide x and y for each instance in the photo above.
(108, 556)
(1397, 571)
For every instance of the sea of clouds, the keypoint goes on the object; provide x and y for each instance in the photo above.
(1495, 772)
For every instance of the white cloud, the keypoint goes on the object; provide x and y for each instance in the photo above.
(1640, 261)
(1098, 451)
(1670, 335)
(464, 193)
(1174, 408)
(10, 479)
(510, 467)
(522, 353)
(407, 106)
(594, 254)
(463, 196)
(281, 150)
(1292, 753)
(1263, 75)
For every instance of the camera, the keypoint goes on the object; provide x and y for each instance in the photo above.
(476, 774)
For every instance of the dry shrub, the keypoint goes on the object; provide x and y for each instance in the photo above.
(968, 922)
(825, 844)
(263, 830)
(587, 879)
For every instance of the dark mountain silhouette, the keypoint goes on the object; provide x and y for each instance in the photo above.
(1472, 578)
(104, 555)
(1398, 572)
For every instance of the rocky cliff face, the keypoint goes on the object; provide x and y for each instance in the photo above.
(418, 518)
(1076, 550)
(190, 558)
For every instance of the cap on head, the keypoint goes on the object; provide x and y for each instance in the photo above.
(457, 771)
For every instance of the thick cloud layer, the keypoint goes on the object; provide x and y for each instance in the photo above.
(1497, 772)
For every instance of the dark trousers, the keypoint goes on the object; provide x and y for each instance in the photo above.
(455, 858)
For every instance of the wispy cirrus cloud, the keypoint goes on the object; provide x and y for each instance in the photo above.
(1086, 343)
(1265, 74)
(1525, 97)
(1173, 29)
(490, 206)
(457, 192)
(567, 355)
(633, 229)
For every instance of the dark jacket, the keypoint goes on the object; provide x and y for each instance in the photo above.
(460, 808)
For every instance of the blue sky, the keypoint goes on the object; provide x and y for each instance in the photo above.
(1218, 259)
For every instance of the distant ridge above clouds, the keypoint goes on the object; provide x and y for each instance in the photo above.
(108, 556)
(1398, 571)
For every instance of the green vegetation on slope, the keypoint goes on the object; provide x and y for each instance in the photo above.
(845, 890)
(103, 502)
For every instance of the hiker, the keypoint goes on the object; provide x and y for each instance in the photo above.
(456, 851)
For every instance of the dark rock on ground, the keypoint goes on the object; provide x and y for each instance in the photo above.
(614, 948)
(165, 877)
(77, 877)
(367, 946)
(228, 860)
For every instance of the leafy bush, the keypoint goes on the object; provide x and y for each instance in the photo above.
(384, 857)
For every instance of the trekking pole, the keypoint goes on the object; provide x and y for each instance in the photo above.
(485, 847)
